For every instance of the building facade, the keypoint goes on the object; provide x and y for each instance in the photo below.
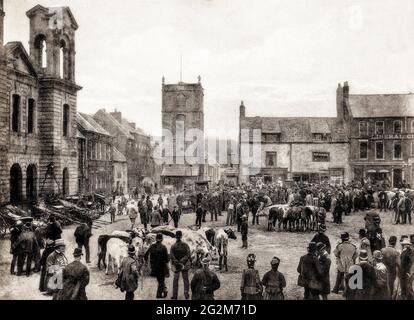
(120, 173)
(381, 137)
(132, 142)
(38, 108)
(96, 157)
(294, 149)
(182, 111)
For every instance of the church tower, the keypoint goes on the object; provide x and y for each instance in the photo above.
(52, 51)
(182, 111)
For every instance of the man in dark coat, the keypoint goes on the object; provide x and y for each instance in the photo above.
(322, 237)
(26, 246)
(255, 205)
(199, 215)
(274, 282)
(406, 271)
(392, 262)
(143, 210)
(128, 278)
(82, 235)
(325, 262)
(158, 255)
(244, 230)
(14, 236)
(53, 229)
(175, 215)
(369, 281)
(204, 282)
(75, 279)
(310, 272)
(251, 287)
(181, 262)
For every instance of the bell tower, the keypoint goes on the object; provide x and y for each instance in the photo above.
(52, 51)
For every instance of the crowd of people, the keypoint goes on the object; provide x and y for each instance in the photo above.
(382, 266)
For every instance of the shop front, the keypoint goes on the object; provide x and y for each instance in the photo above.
(331, 176)
(391, 175)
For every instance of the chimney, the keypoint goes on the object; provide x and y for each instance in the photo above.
(346, 90)
(2, 14)
(133, 125)
(117, 115)
(242, 110)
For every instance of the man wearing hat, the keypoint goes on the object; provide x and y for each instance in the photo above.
(49, 248)
(15, 232)
(244, 230)
(391, 259)
(367, 292)
(251, 286)
(53, 229)
(310, 273)
(322, 237)
(382, 291)
(75, 279)
(406, 271)
(346, 254)
(204, 282)
(82, 235)
(175, 216)
(128, 277)
(325, 261)
(180, 254)
(26, 246)
(365, 243)
(55, 263)
(158, 255)
(274, 282)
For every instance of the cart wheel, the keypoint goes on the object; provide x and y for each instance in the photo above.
(3, 227)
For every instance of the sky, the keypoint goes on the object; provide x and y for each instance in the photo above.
(281, 57)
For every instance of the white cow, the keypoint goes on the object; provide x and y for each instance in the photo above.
(117, 250)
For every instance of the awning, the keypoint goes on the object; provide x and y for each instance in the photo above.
(371, 171)
(180, 171)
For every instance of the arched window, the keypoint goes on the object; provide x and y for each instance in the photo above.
(41, 51)
(16, 184)
(66, 119)
(180, 123)
(65, 182)
(63, 60)
(15, 122)
(31, 183)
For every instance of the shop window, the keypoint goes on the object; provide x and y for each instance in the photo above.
(320, 156)
(379, 128)
(379, 150)
(270, 159)
(397, 150)
(397, 127)
(363, 150)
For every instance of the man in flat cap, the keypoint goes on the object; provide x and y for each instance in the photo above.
(274, 282)
(204, 282)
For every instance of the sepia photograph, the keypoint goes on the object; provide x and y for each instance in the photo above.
(206, 150)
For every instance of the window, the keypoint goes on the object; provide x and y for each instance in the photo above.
(271, 137)
(412, 125)
(180, 123)
(66, 114)
(320, 156)
(363, 128)
(321, 137)
(30, 116)
(270, 159)
(379, 127)
(397, 127)
(15, 113)
(363, 150)
(379, 150)
(397, 150)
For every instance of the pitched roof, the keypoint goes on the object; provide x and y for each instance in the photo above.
(89, 124)
(38, 7)
(118, 156)
(381, 105)
(124, 130)
(16, 48)
(128, 126)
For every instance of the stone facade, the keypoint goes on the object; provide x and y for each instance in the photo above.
(182, 111)
(300, 149)
(38, 109)
(381, 137)
(120, 173)
(132, 142)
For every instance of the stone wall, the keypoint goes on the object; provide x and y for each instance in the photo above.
(4, 129)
